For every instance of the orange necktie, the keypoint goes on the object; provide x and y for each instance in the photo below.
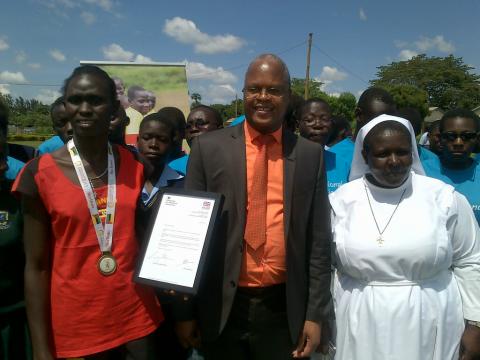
(256, 226)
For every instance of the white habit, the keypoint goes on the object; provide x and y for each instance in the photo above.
(408, 297)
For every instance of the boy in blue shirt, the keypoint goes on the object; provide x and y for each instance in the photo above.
(61, 126)
(459, 129)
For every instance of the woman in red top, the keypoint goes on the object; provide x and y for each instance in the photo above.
(81, 301)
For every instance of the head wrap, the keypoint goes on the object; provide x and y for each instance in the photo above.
(359, 166)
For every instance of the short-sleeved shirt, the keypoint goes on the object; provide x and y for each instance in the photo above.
(344, 150)
(14, 167)
(12, 260)
(90, 312)
(337, 169)
(465, 181)
(180, 164)
(50, 145)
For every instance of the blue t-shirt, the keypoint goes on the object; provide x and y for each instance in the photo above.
(465, 181)
(50, 145)
(14, 167)
(180, 165)
(428, 158)
(237, 120)
(344, 150)
(337, 170)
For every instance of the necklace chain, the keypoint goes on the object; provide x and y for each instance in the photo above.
(99, 176)
(380, 233)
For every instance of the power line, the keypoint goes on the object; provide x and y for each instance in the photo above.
(339, 64)
(194, 76)
(29, 84)
(199, 76)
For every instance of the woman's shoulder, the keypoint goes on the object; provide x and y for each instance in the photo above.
(431, 185)
(346, 194)
(348, 188)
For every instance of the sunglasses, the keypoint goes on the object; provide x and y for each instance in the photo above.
(465, 136)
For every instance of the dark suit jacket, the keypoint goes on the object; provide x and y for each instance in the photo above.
(217, 163)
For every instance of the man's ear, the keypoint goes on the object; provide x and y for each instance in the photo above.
(357, 112)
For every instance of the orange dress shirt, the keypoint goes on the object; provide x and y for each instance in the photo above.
(266, 265)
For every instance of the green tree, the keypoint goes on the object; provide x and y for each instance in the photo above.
(228, 110)
(343, 105)
(409, 96)
(448, 81)
(314, 87)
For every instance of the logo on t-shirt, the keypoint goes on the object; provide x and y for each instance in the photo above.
(4, 224)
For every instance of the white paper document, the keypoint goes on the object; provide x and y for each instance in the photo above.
(178, 236)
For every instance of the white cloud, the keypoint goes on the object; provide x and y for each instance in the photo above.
(407, 54)
(330, 74)
(21, 57)
(47, 96)
(220, 94)
(57, 55)
(400, 44)
(362, 15)
(106, 5)
(4, 89)
(143, 59)
(88, 17)
(34, 66)
(12, 77)
(115, 52)
(437, 43)
(197, 71)
(3, 43)
(186, 32)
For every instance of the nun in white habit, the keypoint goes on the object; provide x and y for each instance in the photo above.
(407, 255)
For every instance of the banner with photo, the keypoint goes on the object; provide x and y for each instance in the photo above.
(143, 88)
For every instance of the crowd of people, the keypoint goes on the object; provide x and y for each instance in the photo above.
(358, 243)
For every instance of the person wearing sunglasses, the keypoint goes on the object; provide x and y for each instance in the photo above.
(459, 136)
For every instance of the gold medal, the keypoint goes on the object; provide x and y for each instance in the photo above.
(106, 264)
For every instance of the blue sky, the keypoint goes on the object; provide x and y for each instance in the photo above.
(41, 41)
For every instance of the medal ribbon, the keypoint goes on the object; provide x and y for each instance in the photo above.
(104, 235)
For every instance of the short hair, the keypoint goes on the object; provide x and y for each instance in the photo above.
(161, 119)
(312, 101)
(58, 102)
(277, 59)
(4, 115)
(176, 116)
(132, 90)
(94, 71)
(413, 115)
(434, 124)
(216, 114)
(390, 125)
(460, 112)
(375, 93)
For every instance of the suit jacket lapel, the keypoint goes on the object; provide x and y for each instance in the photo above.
(238, 167)
(289, 154)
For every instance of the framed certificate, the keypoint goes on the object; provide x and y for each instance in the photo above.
(178, 236)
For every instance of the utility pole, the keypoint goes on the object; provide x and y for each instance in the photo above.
(307, 76)
(236, 105)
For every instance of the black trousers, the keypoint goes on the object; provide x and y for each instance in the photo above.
(257, 328)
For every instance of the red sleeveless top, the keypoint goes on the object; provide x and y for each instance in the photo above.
(90, 312)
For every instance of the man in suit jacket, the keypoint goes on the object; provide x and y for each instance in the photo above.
(266, 287)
